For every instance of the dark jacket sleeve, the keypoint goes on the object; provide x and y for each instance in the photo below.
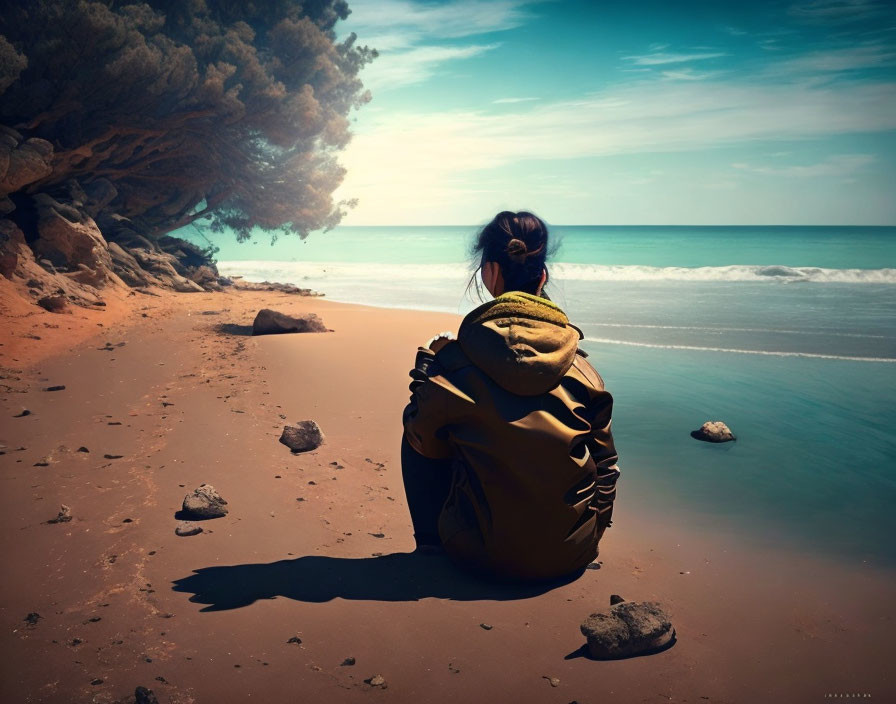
(603, 451)
(431, 408)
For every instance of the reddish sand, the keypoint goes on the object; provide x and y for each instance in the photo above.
(123, 601)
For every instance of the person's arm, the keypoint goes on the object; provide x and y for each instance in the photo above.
(430, 408)
(603, 451)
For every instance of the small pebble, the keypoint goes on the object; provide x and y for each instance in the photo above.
(187, 528)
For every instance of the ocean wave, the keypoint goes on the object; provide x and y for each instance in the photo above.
(772, 353)
(732, 273)
(296, 272)
(716, 329)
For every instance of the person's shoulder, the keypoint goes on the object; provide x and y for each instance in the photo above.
(451, 358)
(585, 369)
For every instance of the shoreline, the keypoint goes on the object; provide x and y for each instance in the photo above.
(197, 405)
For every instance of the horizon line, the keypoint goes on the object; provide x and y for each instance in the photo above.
(557, 224)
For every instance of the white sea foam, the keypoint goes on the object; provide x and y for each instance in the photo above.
(771, 353)
(715, 329)
(296, 272)
(733, 273)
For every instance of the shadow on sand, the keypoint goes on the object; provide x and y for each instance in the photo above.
(395, 577)
(583, 652)
(234, 329)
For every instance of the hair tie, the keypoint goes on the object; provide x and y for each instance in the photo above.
(516, 250)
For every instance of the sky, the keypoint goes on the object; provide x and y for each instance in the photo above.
(621, 113)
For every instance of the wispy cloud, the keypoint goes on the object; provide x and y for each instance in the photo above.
(689, 74)
(503, 101)
(845, 59)
(414, 39)
(838, 165)
(405, 23)
(416, 65)
(424, 153)
(838, 11)
(658, 58)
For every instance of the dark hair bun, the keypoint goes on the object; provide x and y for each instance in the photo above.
(516, 250)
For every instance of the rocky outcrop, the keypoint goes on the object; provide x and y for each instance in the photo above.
(270, 322)
(303, 436)
(161, 266)
(628, 628)
(128, 268)
(22, 161)
(62, 243)
(11, 243)
(238, 283)
(713, 431)
(98, 194)
(69, 239)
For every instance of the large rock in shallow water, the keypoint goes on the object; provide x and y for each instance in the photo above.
(303, 436)
(270, 322)
(204, 502)
(713, 431)
(627, 628)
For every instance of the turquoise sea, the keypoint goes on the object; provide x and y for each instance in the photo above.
(788, 334)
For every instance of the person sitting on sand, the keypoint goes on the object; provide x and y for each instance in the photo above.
(508, 461)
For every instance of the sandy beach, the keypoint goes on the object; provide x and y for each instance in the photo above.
(311, 570)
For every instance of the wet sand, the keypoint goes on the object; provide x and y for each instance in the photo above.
(191, 398)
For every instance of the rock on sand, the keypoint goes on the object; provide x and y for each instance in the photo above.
(142, 695)
(376, 681)
(204, 502)
(713, 431)
(187, 528)
(270, 322)
(64, 515)
(627, 628)
(303, 436)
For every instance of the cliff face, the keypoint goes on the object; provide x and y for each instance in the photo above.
(63, 245)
